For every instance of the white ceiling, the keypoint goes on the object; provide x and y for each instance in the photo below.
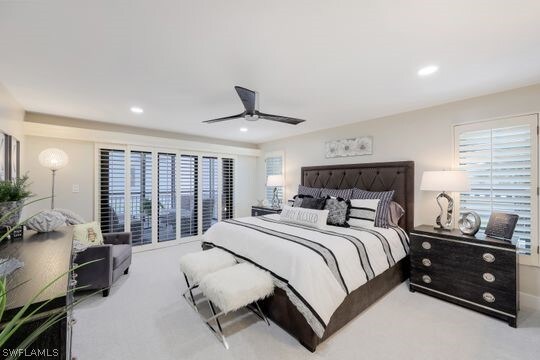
(329, 62)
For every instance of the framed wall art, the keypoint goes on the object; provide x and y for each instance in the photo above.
(349, 147)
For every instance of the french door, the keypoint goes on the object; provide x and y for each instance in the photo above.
(162, 195)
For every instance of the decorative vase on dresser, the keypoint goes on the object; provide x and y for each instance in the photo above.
(479, 273)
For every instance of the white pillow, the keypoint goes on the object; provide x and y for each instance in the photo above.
(303, 216)
(363, 212)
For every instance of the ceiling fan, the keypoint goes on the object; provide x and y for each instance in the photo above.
(250, 99)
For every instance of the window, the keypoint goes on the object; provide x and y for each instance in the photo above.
(166, 197)
(111, 190)
(209, 192)
(141, 197)
(227, 191)
(274, 166)
(501, 158)
(189, 195)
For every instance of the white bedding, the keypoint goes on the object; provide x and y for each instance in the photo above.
(316, 267)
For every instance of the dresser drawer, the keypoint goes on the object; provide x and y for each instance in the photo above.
(456, 286)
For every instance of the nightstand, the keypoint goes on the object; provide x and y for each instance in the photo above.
(479, 273)
(263, 210)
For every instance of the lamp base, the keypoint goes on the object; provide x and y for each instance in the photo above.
(447, 225)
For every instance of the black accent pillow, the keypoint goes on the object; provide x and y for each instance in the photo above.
(313, 203)
(338, 211)
(297, 199)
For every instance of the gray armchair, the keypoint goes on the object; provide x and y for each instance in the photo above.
(114, 260)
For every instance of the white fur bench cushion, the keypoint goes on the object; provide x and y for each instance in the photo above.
(237, 286)
(199, 264)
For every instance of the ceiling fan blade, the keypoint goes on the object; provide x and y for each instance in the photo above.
(283, 119)
(239, 116)
(248, 97)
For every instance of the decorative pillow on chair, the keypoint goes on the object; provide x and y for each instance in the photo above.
(363, 212)
(46, 221)
(302, 216)
(381, 219)
(71, 217)
(337, 193)
(89, 233)
(304, 190)
(338, 211)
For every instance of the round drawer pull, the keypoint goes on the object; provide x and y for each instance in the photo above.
(426, 262)
(488, 297)
(426, 279)
(489, 277)
(488, 257)
(72, 321)
(426, 245)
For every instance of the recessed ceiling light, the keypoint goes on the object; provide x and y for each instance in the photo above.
(243, 129)
(136, 110)
(428, 70)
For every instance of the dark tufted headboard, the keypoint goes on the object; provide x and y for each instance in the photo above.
(398, 176)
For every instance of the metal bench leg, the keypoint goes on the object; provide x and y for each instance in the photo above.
(190, 289)
(219, 332)
(262, 314)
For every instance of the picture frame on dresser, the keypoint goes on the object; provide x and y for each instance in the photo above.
(477, 272)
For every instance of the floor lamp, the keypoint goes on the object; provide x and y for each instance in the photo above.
(53, 159)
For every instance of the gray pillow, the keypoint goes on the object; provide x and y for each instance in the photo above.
(395, 212)
(305, 190)
(46, 221)
(381, 217)
(337, 193)
(338, 211)
(71, 217)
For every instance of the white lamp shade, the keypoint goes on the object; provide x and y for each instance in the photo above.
(53, 158)
(274, 180)
(451, 180)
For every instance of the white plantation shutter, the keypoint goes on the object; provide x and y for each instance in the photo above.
(209, 192)
(227, 188)
(500, 157)
(141, 197)
(274, 166)
(166, 188)
(111, 190)
(189, 195)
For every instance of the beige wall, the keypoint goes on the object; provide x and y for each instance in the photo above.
(11, 116)
(424, 136)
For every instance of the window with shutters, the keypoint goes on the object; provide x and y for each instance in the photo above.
(274, 166)
(141, 197)
(111, 190)
(227, 191)
(162, 195)
(189, 195)
(501, 158)
(166, 196)
(209, 192)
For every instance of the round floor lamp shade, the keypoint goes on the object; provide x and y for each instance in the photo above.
(53, 159)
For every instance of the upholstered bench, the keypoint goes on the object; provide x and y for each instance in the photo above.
(196, 265)
(233, 288)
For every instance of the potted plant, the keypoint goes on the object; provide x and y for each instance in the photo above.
(12, 196)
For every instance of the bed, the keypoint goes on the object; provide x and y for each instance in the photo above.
(325, 277)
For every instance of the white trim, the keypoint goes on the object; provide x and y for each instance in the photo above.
(72, 133)
(531, 119)
(529, 301)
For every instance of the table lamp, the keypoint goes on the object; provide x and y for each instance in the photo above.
(275, 181)
(443, 182)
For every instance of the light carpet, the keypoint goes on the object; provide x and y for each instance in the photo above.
(145, 318)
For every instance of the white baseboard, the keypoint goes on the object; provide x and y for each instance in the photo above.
(529, 301)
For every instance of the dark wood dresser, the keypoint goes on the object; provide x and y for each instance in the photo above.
(263, 210)
(45, 256)
(479, 273)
